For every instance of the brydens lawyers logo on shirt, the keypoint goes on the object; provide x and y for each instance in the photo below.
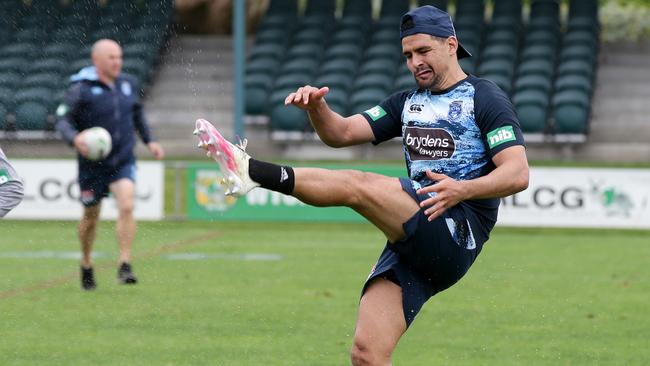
(429, 143)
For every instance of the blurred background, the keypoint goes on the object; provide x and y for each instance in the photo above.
(574, 69)
(564, 279)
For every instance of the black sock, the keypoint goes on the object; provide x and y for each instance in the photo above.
(270, 176)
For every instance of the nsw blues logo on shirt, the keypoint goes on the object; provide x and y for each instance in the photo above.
(455, 110)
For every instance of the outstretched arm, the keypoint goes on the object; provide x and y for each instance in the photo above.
(509, 177)
(334, 129)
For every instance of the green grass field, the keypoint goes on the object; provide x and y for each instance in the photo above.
(287, 294)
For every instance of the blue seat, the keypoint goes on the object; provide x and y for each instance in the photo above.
(356, 11)
(31, 116)
(334, 81)
(256, 101)
(383, 82)
(343, 66)
(267, 65)
(3, 116)
(571, 111)
(9, 79)
(289, 118)
(543, 67)
(574, 82)
(503, 81)
(533, 82)
(49, 80)
(300, 65)
(532, 109)
(292, 80)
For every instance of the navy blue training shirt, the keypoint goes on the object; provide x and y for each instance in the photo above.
(455, 132)
(89, 103)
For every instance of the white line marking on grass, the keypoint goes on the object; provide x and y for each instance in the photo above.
(228, 256)
(49, 254)
(100, 267)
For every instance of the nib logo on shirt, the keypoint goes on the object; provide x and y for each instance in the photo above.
(500, 135)
(376, 112)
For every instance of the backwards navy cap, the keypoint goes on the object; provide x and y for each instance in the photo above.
(433, 21)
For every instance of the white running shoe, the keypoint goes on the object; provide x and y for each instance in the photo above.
(232, 159)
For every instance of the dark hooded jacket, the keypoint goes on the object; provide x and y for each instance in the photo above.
(89, 103)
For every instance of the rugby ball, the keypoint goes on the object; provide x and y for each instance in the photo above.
(99, 143)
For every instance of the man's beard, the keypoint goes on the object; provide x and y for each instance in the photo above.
(432, 84)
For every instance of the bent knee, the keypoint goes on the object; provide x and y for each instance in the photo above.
(126, 210)
(91, 214)
(359, 187)
(364, 354)
(125, 207)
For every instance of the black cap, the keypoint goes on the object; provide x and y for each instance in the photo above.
(433, 21)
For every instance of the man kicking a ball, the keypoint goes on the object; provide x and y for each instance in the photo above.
(463, 148)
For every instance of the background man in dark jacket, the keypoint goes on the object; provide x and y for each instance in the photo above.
(101, 96)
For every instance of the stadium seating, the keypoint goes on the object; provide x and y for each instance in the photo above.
(288, 119)
(3, 116)
(571, 110)
(356, 13)
(31, 115)
(545, 60)
(391, 12)
(7, 98)
(337, 99)
(404, 82)
(348, 51)
(293, 79)
(9, 79)
(574, 82)
(340, 65)
(532, 108)
(533, 82)
(43, 42)
(440, 4)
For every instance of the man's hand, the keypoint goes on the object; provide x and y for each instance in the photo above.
(156, 149)
(80, 144)
(448, 193)
(307, 97)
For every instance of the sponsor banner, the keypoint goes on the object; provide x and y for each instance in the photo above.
(206, 199)
(52, 192)
(581, 197)
(556, 197)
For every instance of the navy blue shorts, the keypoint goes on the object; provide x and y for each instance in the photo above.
(433, 256)
(93, 184)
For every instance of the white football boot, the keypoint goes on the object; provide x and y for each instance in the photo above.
(232, 159)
